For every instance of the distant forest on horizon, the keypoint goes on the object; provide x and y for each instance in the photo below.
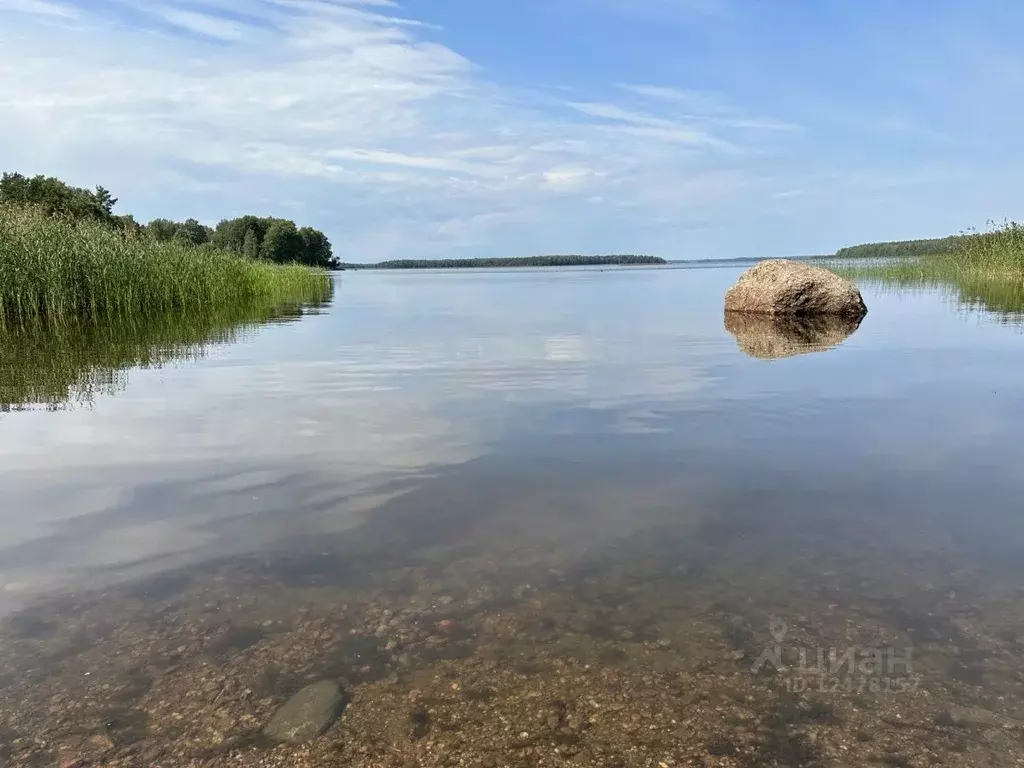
(896, 249)
(566, 260)
(893, 249)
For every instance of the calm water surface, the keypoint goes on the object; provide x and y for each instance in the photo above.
(576, 486)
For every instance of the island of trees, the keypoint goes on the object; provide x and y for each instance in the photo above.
(568, 260)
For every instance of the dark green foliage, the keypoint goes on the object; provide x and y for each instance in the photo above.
(55, 198)
(128, 225)
(104, 200)
(282, 243)
(230, 234)
(316, 248)
(521, 261)
(900, 249)
(251, 245)
(191, 232)
(277, 240)
(162, 230)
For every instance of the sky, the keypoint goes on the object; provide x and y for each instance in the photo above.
(456, 128)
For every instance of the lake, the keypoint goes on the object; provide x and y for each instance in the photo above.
(522, 517)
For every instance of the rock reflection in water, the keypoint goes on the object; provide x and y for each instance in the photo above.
(770, 337)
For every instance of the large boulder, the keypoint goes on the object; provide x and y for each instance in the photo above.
(772, 336)
(783, 287)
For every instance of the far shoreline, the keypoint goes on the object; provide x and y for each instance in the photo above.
(571, 260)
(563, 261)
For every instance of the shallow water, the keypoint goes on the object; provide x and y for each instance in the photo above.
(569, 504)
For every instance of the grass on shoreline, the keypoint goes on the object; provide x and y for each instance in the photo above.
(986, 268)
(56, 271)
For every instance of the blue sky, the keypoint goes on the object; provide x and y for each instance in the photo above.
(684, 128)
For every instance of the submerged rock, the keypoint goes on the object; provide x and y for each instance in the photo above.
(307, 714)
(783, 287)
(968, 717)
(773, 336)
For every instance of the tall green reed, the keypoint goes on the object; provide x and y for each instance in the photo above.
(55, 271)
(986, 269)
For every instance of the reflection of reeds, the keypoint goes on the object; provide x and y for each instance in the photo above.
(55, 271)
(773, 336)
(985, 268)
(75, 361)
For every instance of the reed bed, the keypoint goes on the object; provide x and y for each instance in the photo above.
(993, 256)
(56, 271)
(986, 269)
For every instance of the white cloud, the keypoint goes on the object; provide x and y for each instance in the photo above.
(705, 102)
(567, 179)
(38, 7)
(203, 24)
(613, 112)
(408, 161)
(707, 108)
(386, 133)
(344, 105)
(682, 130)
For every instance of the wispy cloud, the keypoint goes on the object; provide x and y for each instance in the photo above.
(703, 101)
(204, 24)
(355, 104)
(618, 114)
(39, 8)
(637, 124)
(705, 107)
(394, 141)
(380, 157)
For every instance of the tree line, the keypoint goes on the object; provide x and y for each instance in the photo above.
(567, 260)
(901, 249)
(255, 237)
